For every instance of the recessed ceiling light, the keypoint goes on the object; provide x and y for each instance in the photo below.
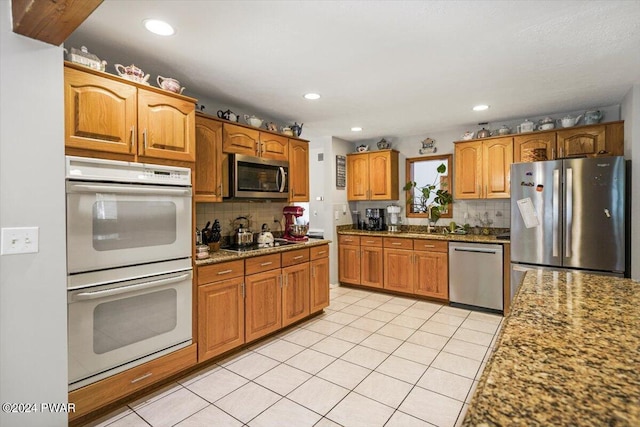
(481, 107)
(311, 96)
(160, 28)
(356, 129)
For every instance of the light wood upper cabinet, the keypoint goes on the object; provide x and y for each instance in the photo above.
(274, 146)
(240, 140)
(108, 114)
(208, 182)
(298, 171)
(373, 175)
(483, 169)
(525, 144)
(166, 127)
(220, 317)
(100, 113)
(263, 309)
(497, 157)
(601, 140)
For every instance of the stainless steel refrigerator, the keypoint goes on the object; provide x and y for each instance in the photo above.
(568, 214)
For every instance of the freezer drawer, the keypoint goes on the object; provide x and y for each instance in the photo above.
(476, 275)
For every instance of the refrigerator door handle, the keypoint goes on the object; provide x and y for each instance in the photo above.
(569, 213)
(555, 210)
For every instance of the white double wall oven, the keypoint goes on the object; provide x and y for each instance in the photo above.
(129, 265)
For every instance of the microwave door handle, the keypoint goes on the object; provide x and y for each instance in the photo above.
(83, 296)
(106, 188)
(281, 185)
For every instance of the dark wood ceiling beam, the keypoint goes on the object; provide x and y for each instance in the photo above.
(50, 21)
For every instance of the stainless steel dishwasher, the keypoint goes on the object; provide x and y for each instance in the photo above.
(475, 275)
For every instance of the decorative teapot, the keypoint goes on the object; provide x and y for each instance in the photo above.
(296, 128)
(568, 121)
(383, 144)
(228, 115)
(526, 126)
(362, 148)
(253, 121)
(504, 130)
(172, 85)
(132, 73)
(483, 133)
(287, 131)
(592, 117)
(546, 123)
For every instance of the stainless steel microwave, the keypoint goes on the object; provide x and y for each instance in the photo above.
(252, 177)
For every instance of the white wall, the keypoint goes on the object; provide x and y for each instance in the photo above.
(631, 117)
(33, 308)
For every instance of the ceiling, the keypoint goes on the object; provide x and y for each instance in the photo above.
(395, 68)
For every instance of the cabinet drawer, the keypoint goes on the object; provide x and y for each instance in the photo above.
(295, 257)
(262, 263)
(398, 243)
(120, 385)
(348, 240)
(371, 241)
(319, 251)
(222, 271)
(431, 245)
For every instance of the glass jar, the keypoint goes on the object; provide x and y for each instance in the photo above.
(202, 251)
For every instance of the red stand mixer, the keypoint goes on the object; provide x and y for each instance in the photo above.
(292, 231)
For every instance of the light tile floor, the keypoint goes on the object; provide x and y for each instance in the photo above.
(370, 359)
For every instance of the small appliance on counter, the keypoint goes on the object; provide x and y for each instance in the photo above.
(375, 219)
(265, 238)
(294, 232)
(394, 218)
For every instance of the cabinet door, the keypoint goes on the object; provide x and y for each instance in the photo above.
(240, 140)
(432, 274)
(220, 317)
(583, 141)
(398, 270)
(298, 171)
(100, 114)
(295, 293)
(208, 179)
(263, 304)
(274, 146)
(371, 266)
(349, 264)
(166, 127)
(358, 177)
(524, 146)
(497, 156)
(383, 175)
(468, 172)
(319, 286)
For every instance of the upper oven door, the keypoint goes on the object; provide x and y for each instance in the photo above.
(258, 178)
(114, 225)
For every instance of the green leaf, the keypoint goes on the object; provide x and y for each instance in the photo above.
(442, 168)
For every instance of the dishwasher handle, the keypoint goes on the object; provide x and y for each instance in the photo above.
(482, 251)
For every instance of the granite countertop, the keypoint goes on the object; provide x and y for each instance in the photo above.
(568, 354)
(223, 255)
(434, 236)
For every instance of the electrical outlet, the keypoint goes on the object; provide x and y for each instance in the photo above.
(19, 240)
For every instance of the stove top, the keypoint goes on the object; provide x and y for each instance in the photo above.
(255, 246)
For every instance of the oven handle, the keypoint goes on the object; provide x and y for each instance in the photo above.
(83, 296)
(99, 188)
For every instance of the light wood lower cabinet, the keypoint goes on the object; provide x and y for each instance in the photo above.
(295, 293)
(109, 390)
(220, 317)
(319, 284)
(263, 312)
(410, 266)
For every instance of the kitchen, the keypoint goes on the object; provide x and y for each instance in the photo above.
(28, 101)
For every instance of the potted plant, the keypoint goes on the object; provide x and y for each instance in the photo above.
(433, 200)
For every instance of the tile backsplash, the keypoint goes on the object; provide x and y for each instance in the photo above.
(258, 213)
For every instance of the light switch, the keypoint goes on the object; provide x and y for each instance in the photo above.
(19, 240)
(336, 215)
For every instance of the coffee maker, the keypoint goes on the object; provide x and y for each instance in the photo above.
(375, 219)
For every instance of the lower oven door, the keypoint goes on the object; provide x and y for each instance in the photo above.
(116, 326)
(114, 224)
